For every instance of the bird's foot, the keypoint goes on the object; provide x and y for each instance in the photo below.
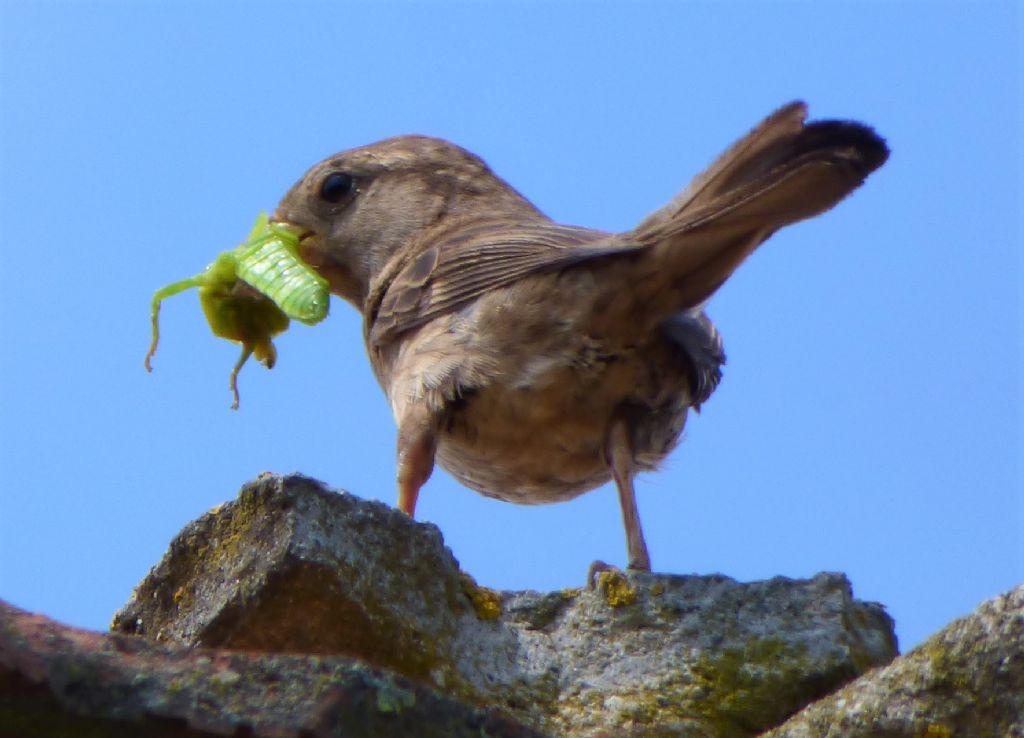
(596, 568)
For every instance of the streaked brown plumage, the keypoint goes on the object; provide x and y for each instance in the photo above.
(535, 360)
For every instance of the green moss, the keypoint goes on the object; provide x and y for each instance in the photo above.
(743, 691)
(486, 602)
(392, 698)
(954, 677)
(729, 693)
(945, 670)
(227, 528)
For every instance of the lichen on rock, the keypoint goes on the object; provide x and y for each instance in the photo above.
(292, 566)
(966, 680)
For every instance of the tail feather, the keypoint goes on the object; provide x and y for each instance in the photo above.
(781, 172)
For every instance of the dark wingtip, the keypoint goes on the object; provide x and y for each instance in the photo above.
(869, 149)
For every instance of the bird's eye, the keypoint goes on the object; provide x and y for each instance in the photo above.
(336, 187)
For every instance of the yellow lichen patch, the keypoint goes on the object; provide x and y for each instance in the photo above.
(617, 590)
(936, 730)
(658, 589)
(486, 602)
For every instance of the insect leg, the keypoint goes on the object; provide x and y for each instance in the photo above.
(246, 353)
(162, 294)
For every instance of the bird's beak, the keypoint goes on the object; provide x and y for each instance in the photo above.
(313, 249)
(292, 227)
(308, 238)
(282, 220)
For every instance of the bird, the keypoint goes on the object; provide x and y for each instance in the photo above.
(536, 361)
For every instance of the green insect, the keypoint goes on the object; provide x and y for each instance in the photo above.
(250, 292)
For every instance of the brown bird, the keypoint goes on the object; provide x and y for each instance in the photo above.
(532, 360)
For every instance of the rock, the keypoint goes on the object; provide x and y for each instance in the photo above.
(291, 566)
(966, 680)
(61, 681)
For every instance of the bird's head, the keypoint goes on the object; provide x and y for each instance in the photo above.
(356, 210)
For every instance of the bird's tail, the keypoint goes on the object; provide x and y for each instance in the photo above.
(781, 172)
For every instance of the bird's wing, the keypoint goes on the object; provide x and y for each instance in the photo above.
(471, 259)
(783, 171)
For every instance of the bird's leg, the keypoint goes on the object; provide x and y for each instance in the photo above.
(416, 444)
(619, 455)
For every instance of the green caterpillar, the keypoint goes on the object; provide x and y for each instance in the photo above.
(250, 293)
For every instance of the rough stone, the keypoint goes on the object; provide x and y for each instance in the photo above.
(291, 566)
(61, 681)
(966, 680)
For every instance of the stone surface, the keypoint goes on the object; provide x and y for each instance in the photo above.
(966, 680)
(60, 681)
(291, 566)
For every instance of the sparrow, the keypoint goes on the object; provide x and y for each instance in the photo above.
(534, 361)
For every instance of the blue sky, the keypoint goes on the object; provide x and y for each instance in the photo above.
(870, 419)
